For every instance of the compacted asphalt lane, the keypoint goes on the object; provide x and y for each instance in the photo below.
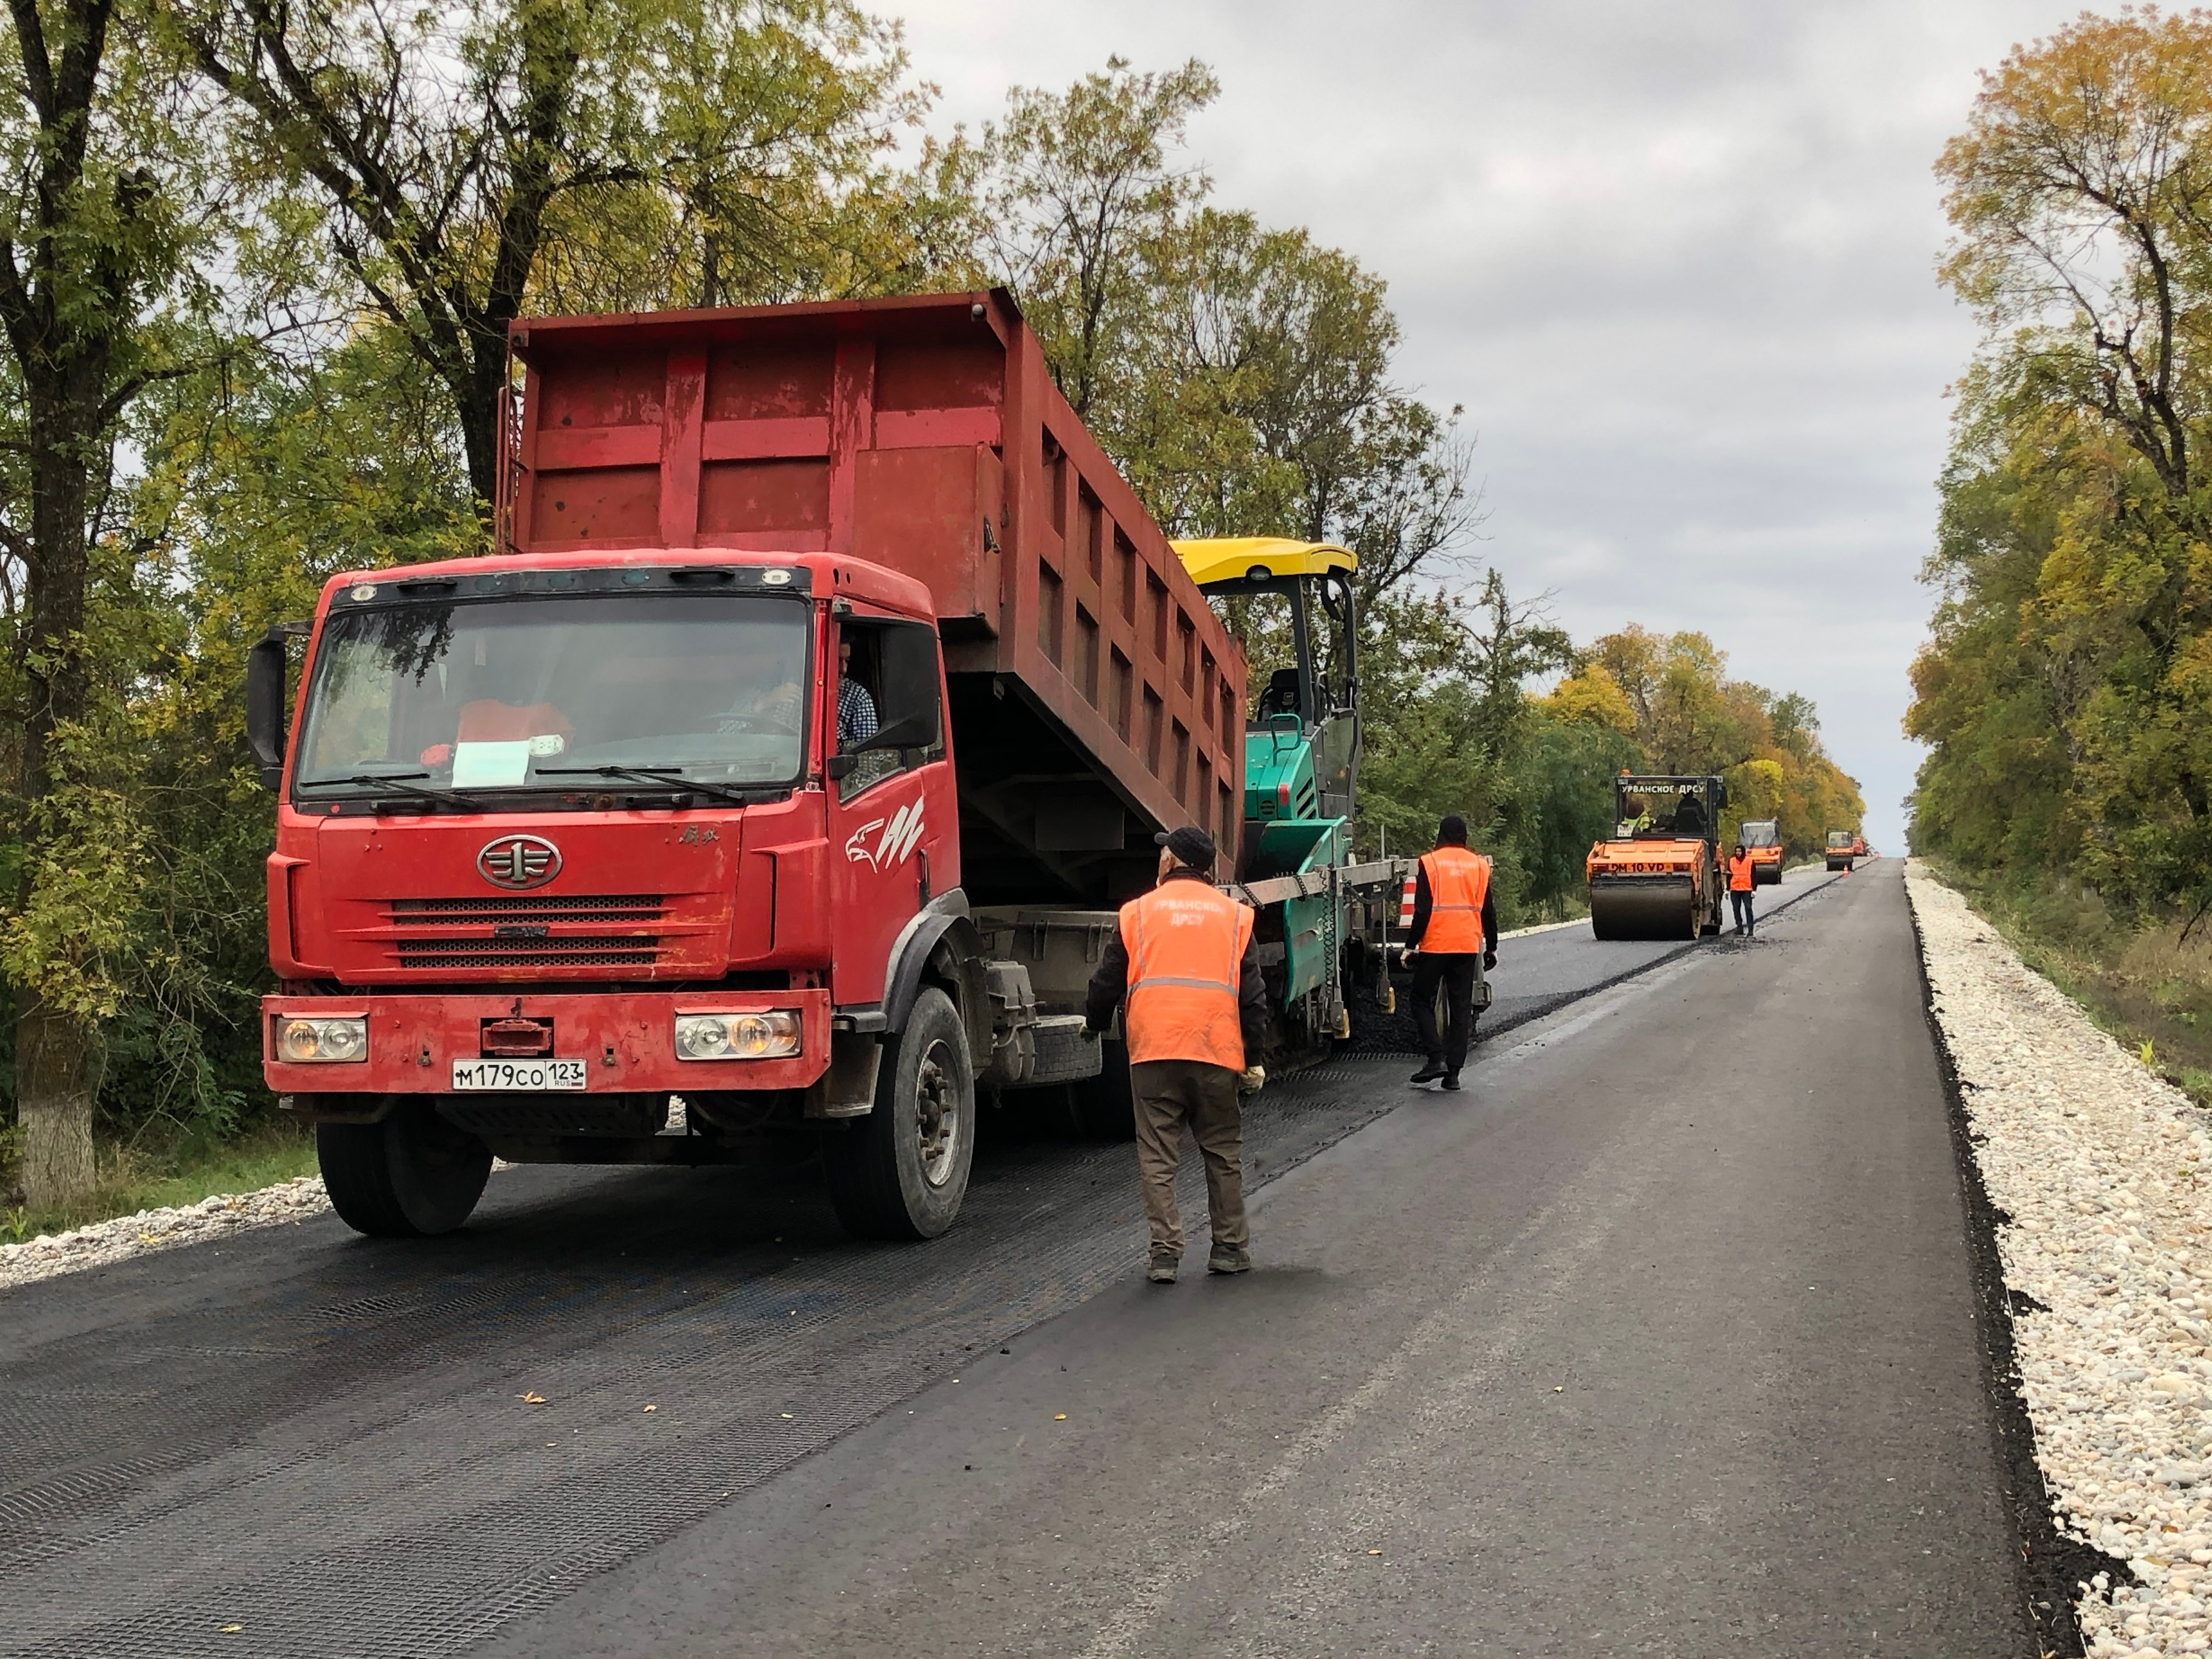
(1656, 1340)
(1537, 973)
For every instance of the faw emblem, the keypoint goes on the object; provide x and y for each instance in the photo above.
(892, 846)
(519, 862)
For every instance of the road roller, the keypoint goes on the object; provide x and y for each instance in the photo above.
(1762, 839)
(1659, 876)
(1842, 849)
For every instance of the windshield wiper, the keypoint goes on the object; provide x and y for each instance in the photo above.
(398, 781)
(669, 775)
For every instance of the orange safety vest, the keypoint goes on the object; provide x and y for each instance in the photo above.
(1186, 942)
(1458, 883)
(1740, 873)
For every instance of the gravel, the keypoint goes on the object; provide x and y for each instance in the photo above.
(2099, 1170)
(100, 1243)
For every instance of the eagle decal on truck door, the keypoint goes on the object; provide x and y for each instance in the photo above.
(894, 845)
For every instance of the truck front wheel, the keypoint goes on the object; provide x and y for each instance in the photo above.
(410, 1176)
(901, 1171)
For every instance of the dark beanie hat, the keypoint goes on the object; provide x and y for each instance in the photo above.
(1191, 845)
(1452, 832)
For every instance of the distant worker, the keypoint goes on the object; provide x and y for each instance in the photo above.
(1740, 879)
(1454, 928)
(1197, 1011)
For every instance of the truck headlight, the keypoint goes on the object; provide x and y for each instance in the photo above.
(322, 1040)
(737, 1036)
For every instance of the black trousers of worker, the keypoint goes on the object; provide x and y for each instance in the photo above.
(1455, 973)
(1741, 904)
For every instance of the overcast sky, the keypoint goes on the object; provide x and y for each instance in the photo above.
(1676, 261)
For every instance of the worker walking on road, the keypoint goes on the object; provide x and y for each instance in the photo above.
(1739, 875)
(1197, 1012)
(1454, 928)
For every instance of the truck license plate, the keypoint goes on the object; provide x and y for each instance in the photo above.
(527, 1076)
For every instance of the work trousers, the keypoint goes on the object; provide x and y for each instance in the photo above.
(1167, 1092)
(1456, 973)
(1742, 903)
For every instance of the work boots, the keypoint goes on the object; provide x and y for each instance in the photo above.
(1164, 1263)
(1429, 1071)
(1229, 1259)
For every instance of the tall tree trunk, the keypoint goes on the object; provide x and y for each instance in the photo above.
(56, 1054)
(57, 1074)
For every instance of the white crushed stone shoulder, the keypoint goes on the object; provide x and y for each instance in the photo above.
(2104, 1169)
(100, 1242)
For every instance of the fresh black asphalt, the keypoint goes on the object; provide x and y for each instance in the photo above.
(1659, 1339)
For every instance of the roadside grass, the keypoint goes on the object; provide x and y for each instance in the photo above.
(2147, 986)
(132, 1179)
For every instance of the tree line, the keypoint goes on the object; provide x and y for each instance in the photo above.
(2064, 691)
(260, 260)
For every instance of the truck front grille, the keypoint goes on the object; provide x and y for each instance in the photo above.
(536, 907)
(552, 953)
(536, 930)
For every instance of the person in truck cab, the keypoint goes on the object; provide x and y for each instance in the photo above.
(1690, 818)
(1197, 1012)
(856, 707)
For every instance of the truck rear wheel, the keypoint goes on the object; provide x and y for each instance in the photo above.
(409, 1176)
(901, 1171)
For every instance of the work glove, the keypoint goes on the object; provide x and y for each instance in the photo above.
(1489, 959)
(1250, 1083)
(1088, 1033)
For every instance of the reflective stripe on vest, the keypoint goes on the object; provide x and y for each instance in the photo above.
(1459, 881)
(1186, 942)
(1739, 874)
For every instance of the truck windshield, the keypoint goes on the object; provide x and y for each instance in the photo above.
(1660, 809)
(1839, 838)
(1760, 833)
(527, 692)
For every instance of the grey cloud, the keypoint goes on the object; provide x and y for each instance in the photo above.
(1677, 262)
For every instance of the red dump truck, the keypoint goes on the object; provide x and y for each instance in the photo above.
(787, 759)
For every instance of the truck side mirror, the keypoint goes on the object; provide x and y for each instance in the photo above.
(264, 703)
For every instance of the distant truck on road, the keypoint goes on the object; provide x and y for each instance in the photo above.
(1844, 846)
(820, 703)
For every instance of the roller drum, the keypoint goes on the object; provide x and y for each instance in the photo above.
(1643, 907)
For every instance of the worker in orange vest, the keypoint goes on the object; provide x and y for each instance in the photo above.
(1196, 1017)
(1453, 937)
(1740, 888)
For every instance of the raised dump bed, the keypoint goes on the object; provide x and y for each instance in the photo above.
(1095, 697)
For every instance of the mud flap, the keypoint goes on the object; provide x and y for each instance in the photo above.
(848, 1089)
